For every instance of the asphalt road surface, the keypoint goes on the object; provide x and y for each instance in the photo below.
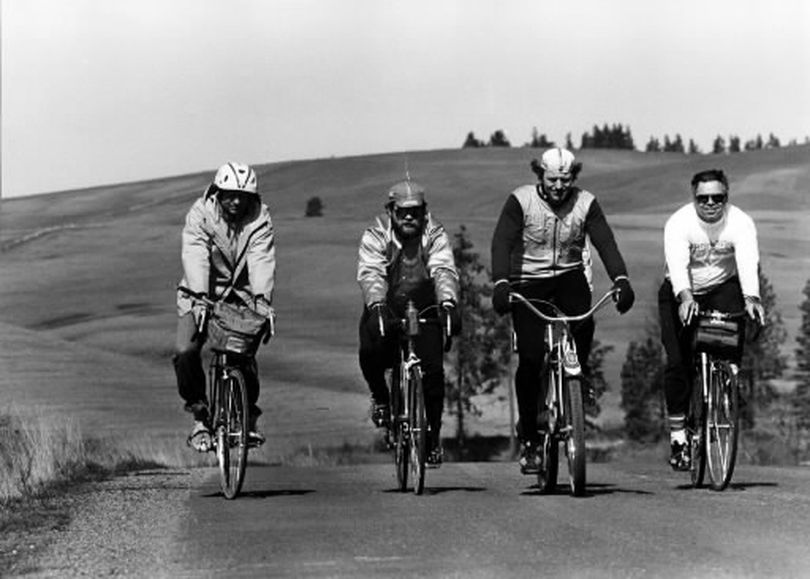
(474, 520)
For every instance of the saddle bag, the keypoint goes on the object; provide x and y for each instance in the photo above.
(719, 337)
(235, 329)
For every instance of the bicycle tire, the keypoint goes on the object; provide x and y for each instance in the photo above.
(723, 425)
(550, 450)
(575, 435)
(696, 433)
(231, 433)
(418, 430)
(399, 430)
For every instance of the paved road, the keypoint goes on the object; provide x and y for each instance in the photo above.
(474, 520)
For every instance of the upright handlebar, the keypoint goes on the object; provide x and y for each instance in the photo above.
(209, 303)
(517, 297)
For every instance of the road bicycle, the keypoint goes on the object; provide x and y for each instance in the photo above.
(561, 416)
(713, 418)
(408, 428)
(228, 421)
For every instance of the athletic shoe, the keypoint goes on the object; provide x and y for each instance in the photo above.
(679, 458)
(255, 436)
(200, 437)
(529, 461)
(380, 415)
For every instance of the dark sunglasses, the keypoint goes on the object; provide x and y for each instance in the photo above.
(416, 211)
(719, 199)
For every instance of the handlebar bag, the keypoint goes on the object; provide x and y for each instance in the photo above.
(719, 337)
(235, 329)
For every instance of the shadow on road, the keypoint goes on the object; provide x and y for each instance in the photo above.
(441, 490)
(734, 486)
(265, 494)
(592, 490)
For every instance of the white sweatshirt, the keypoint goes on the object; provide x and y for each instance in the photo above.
(700, 256)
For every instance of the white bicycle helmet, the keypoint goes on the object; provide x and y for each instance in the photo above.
(236, 177)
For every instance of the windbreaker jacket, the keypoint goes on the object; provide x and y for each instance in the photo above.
(227, 261)
(380, 248)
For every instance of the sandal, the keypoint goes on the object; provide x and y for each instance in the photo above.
(200, 438)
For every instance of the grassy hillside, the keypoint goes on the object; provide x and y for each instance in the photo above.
(98, 267)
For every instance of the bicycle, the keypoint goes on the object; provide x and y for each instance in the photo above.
(563, 410)
(228, 418)
(713, 417)
(408, 429)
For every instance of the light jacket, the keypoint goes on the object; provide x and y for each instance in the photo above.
(224, 261)
(380, 248)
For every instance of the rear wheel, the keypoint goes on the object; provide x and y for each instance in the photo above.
(418, 430)
(231, 433)
(722, 425)
(696, 433)
(575, 435)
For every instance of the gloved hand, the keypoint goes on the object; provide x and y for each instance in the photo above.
(500, 297)
(451, 317)
(624, 296)
(379, 319)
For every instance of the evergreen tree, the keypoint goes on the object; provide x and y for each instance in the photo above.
(762, 360)
(480, 356)
(719, 145)
(653, 146)
(471, 142)
(642, 388)
(569, 144)
(539, 140)
(734, 144)
(693, 148)
(773, 142)
(596, 376)
(498, 139)
(801, 397)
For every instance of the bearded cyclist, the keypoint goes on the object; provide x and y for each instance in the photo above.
(406, 256)
(228, 253)
(537, 250)
(712, 262)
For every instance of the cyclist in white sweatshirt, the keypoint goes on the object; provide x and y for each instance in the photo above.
(712, 262)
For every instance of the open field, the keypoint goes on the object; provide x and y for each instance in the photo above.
(87, 277)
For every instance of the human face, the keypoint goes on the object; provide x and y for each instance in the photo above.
(234, 204)
(408, 221)
(710, 201)
(557, 186)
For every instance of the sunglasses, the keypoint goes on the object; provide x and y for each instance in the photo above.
(718, 199)
(416, 212)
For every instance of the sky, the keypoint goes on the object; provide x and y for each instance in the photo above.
(96, 92)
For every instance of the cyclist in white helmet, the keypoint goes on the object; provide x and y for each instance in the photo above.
(228, 253)
(539, 249)
(406, 255)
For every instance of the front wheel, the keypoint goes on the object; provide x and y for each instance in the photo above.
(575, 435)
(722, 425)
(696, 433)
(231, 432)
(418, 430)
(399, 431)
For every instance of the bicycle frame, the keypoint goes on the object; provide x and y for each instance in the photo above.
(563, 395)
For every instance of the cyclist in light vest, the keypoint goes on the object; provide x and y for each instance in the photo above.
(538, 248)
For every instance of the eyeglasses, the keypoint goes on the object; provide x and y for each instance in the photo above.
(718, 199)
(416, 212)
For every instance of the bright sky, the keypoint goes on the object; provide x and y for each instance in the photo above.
(96, 92)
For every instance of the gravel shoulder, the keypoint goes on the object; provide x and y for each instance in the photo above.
(125, 526)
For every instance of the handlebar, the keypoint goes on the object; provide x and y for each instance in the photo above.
(517, 297)
(209, 304)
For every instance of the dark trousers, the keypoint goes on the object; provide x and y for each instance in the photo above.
(378, 354)
(188, 369)
(677, 340)
(569, 292)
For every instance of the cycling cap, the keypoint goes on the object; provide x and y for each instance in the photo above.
(406, 194)
(236, 177)
(557, 160)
